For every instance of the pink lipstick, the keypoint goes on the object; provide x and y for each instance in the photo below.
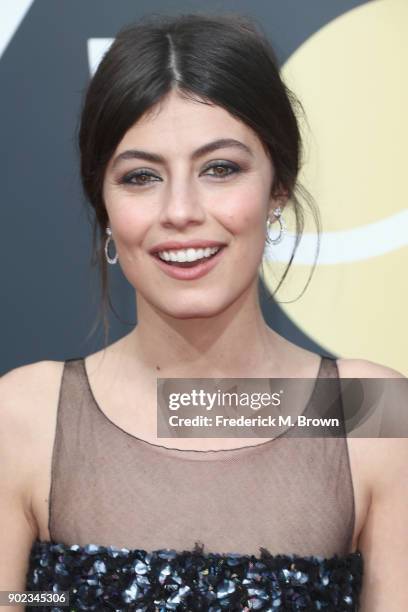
(189, 270)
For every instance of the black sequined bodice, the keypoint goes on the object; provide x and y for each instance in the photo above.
(108, 578)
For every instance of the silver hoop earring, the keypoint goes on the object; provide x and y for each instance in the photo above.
(282, 227)
(109, 238)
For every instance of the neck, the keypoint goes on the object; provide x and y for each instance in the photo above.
(232, 344)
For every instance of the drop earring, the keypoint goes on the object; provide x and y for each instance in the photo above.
(282, 227)
(108, 240)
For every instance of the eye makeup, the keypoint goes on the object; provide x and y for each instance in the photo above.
(134, 177)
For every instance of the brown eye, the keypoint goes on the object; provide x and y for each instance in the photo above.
(223, 170)
(143, 178)
(138, 178)
(220, 170)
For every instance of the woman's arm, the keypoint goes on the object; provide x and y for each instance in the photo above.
(383, 539)
(18, 527)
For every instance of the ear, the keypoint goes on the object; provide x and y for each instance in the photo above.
(278, 199)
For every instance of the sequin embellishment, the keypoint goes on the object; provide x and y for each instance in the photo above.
(108, 578)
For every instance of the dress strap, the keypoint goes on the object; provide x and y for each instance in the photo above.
(329, 367)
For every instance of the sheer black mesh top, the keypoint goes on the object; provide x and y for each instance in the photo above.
(139, 526)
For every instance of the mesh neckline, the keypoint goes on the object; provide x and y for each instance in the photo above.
(195, 454)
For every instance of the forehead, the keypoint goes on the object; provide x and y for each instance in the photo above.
(181, 124)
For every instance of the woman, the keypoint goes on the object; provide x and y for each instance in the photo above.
(190, 151)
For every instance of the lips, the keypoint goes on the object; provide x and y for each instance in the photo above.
(191, 272)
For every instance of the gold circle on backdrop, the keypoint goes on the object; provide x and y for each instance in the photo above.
(351, 78)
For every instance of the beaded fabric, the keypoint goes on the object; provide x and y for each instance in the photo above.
(127, 518)
(109, 578)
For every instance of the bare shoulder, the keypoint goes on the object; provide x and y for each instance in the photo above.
(26, 391)
(363, 368)
(32, 372)
(28, 406)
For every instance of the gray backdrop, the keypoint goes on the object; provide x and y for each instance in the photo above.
(49, 290)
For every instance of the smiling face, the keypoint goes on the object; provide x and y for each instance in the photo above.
(186, 194)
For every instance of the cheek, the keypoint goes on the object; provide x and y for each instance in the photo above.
(130, 230)
(130, 222)
(246, 213)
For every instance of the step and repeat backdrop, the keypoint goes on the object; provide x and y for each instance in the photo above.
(346, 60)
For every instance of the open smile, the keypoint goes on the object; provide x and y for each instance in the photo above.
(201, 262)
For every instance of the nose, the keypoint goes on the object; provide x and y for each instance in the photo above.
(181, 206)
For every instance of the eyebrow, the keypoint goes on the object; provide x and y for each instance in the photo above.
(221, 143)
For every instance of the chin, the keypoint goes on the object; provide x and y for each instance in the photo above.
(193, 313)
(183, 311)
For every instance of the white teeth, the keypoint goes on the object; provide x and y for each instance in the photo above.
(188, 254)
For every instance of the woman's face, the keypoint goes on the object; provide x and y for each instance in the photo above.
(160, 188)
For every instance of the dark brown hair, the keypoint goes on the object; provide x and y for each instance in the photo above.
(222, 59)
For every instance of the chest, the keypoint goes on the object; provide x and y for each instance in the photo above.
(248, 498)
